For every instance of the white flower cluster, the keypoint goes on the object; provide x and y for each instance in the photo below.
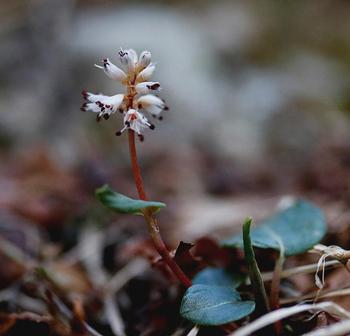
(139, 92)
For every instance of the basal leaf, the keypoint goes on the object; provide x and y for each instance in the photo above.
(295, 230)
(124, 204)
(217, 277)
(214, 305)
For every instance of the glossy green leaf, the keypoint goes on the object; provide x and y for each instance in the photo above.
(217, 277)
(294, 230)
(214, 305)
(123, 204)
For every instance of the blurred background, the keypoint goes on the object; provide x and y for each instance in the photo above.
(259, 96)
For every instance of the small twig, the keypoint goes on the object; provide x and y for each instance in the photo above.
(68, 314)
(305, 269)
(122, 277)
(16, 254)
(325, 294)
(91, 240)
(276, 281)
(113, 316)
(282, 313)
(338, 329)
(194, 331)
(275, 284)
(334, 252)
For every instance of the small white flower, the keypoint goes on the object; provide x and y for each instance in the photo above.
(101, 104)
(146, 73)
(151, 104)
(128, 58)
(112, 71)
(135, 121)
(147, 87)
(144, 60)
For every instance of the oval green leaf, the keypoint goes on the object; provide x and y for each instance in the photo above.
(217, 277)
(294, 230)
(124, 204)
(214, 305)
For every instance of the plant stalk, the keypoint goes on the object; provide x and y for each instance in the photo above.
(151, 221)
(262, 304)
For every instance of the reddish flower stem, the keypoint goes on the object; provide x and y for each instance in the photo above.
(151, 221)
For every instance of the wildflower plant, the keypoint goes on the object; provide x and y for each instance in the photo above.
(212, 297)
(139, 97)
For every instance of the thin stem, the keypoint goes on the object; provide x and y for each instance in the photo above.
(151, 221)
(256, 281)
(135, 167)
(275, 290)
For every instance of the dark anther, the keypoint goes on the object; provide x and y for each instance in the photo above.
(152, 127)
(118, 133)
(139, 106)
(141, 137)
(106, 116)
(120, 110)
(127, 123)
(160, 118)
(154, 86)
(105, 60)
(98, 118)
(166, 108)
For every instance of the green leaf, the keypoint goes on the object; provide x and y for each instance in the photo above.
(294, 230)
(214, 305)
(123, 204)
(217, 277)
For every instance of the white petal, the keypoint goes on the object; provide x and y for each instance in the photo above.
(91, 97)
(145, 59)
(93, 107)
(102, 103)
(132, 55)
(151, 104)
(113, 100)
(112, 71)
(147, 87)
(128, 58)
(146, 73)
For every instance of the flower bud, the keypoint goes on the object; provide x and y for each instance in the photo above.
(147, 87)
(146, 73)
(145, 59)
(112, 71)
(128, 58)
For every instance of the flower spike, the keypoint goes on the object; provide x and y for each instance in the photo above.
(138, 95)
